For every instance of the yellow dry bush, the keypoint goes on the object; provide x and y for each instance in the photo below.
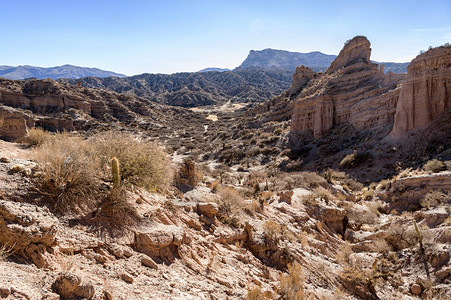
(231, 205)
(36, 137)
(256, 293)
(69, 171)
(273, 230)
(291, 285)
(142, 163)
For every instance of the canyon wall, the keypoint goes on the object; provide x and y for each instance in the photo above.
(425, 93)
(353, 90)
(356, 91)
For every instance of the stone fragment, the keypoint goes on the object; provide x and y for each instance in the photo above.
(415, 289)
(127, 278)
(210, 209)
(148, 262)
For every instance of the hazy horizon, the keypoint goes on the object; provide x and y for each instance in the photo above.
(136, 37)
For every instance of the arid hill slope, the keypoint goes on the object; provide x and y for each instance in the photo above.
(60, 106)
(197, 89)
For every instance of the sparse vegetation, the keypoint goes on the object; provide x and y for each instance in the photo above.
(231, 205)
(36, 137)
(435, 198)
(70, 171)
(143, 164)
(291, 285)
(434, 166)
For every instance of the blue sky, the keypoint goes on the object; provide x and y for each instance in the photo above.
(133, 37)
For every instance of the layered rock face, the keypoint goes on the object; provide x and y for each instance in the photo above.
(13, 125)
(60, 106)
(300, 79)
(425, 93)
(353, 90)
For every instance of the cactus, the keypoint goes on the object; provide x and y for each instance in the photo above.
(256, 188)
(116, 172)
(420, 241)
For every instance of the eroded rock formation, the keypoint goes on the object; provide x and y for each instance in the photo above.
(425, 93)
(356, 91)
(353, 89)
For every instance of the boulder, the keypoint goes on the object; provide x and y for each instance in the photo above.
(27, 229)
(69, 286)
(210, 209)
(160, 241)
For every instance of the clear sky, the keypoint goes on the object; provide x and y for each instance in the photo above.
(134, 37)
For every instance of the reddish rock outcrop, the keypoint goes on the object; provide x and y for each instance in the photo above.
(425, 93)
(13, 124)
(352, 90)
(300, 79)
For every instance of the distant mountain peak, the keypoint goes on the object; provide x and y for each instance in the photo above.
(286, 60)
(64, 71)
(214, 70)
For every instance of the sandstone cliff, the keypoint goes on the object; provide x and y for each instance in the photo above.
(353, 90)
(425, 93)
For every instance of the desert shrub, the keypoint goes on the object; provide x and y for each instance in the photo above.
(231, 205)
(257, 294)
(401, 236)
(301, 179)
(434, 166)
(359, 217)
(434, 199)
(36, 137)
(318, 194)
(5, 251)
(116, 204)
(348, 161)
(355, 159)
(69, 170)
(343, 255)
(291, 285)
(143, 163)
(273, 230)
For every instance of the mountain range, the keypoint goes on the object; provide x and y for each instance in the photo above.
(317, 61)
(199, 88)
(262, 75)
(65, 71)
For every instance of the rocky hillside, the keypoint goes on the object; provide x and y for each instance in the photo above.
(58, 106)
(317, 61)
(302, 236)
(66, 71)
(352, 90)
(425, 93)
(197, 89)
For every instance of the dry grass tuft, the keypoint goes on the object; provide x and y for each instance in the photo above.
(291, 285)
(434, 166)
(36, 137)
(70, 171)
(5, 251)
(143, 163)
(231, 205)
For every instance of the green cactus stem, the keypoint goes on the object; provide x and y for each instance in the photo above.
(116, 172)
